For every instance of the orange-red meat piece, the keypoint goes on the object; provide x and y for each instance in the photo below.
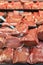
(12, 42)
(28, 5)
(35, 5)
(22, 28)
(40, 32)
(6, 55)
(40, 5)
(3, 4)
(14, 5)
(13, 17)
(31, 38)
(36, 55)
(2, 39)
(21, 55)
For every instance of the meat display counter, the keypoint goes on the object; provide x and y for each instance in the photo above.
(21, 32)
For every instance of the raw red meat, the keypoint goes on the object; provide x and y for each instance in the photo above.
(22, 28)
(9, 31)
(16, 12)
(41, 17)
(24, 0)
(25, 13)
(41, 14)
(40, 32)
(36, 55)
(36, 17)
(17, 5)
(1, 51)
(1, 13)
(14, 18)
(28, 19)
(6, 30)
(21, 55)
(27, 5)
(40, 5)
(16, 0)
(2, 38)
(35, 5)
(12, 42)
(31, 38)
(29, 23)
(3, 4)
(10, 5)
(6, 55)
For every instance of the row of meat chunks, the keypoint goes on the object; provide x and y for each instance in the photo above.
(23, 4)
(17, 17)
(17, 0)
(21, 34)
(27, 37)
(19, 43)
(22, 55)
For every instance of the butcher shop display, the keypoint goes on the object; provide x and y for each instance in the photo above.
(21, 32)
(19, 39)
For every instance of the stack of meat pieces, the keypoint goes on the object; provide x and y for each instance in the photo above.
(17, 17)
(22, 55)
(21, 44)
(21, 37)
(21, 4)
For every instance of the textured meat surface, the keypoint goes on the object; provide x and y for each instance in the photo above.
(36, 17)
(20, 55)
(6, 55)
(22, 28)
(24, 0)
(9, 54)
(1, 13)
(35, 5)
(10, 5)
(28, 5)
(2, 38)
(40, 5)
(40, 32)
(25, 13)
(41, 14)
(37, 54)
(13, 17)
(28, 19)
(12, 42)
(31, 38)
(6, 30)
(17, 5)
(3, 4)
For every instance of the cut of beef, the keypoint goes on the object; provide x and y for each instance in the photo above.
(40, 32)
(36, 55)
(31, 38)
(12, 42)
(21, 55)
